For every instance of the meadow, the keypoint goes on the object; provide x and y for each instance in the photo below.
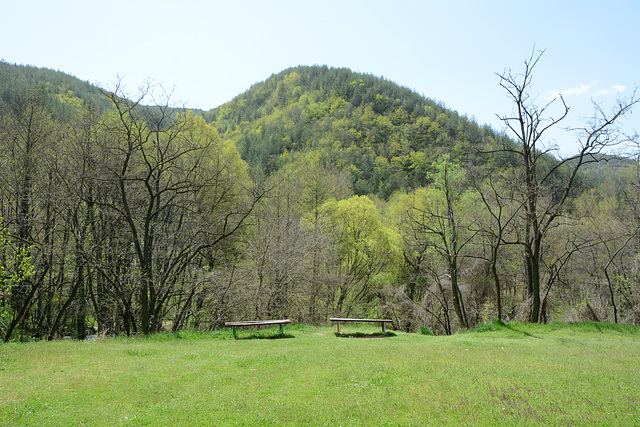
(498, 375)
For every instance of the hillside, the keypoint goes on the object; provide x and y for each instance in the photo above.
(386, 136)
(62, 91)
(383, 135)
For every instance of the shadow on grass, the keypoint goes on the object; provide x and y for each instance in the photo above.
(539, 331)
(496, 325)
(363, 335)
(514, 329)
(265, 337)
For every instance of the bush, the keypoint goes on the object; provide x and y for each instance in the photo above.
(425, 330)
(493, 325)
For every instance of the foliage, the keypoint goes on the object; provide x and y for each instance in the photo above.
(16, 266)
(425, 330)
(318, 192)
(384, 135)
(365, 249)
(66, 94)
(493, 325)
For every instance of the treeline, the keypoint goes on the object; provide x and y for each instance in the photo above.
(112, 219)
(317, 193)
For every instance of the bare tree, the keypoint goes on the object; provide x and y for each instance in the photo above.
(26, 134)
(495, 226)
(179, 193)
(547, 182)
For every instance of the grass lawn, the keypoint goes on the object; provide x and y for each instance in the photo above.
(558, 374)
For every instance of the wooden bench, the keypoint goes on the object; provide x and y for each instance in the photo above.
(258, 323)
(344, 320)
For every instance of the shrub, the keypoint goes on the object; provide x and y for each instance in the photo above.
(493, 325)
(425, 330)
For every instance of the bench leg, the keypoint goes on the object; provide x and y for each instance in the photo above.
(235, 336)
(384, 328)
(281, 330)
(338, 328)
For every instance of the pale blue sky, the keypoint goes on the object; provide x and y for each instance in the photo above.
(211, 51)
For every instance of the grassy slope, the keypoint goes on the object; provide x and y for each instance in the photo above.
(518, 375)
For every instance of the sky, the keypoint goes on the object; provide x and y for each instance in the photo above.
(451, 51)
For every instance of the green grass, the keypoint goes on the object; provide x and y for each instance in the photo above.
(504, 375)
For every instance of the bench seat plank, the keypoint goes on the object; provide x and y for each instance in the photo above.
(258, 322)
(281, 322)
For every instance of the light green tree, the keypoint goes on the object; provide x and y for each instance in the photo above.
(365, 247)
(15, 268)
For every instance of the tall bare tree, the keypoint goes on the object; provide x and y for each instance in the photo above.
(547, 183)
(26, 134)
(180, 192)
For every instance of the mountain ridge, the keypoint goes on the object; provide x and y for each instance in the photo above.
(384, 135)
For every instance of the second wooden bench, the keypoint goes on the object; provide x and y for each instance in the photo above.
(258, 323)
(344, 320)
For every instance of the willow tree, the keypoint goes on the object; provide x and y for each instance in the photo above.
(364, 249)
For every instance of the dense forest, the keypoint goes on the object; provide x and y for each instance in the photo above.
(318, 192)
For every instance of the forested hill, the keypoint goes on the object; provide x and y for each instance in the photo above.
(62, 92)
(385, 135)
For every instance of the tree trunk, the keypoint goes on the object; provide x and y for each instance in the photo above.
(27, 303)
(496, 281)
